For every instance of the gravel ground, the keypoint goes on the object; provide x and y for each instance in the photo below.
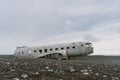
(82, 68)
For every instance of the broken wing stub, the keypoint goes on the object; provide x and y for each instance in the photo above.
(62, 54)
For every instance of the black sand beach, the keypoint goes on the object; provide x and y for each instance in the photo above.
(80, 68)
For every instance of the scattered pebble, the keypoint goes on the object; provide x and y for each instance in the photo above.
(71, 69)
(50, 70)
(12, 70)
(97, 74)
(115, 78)
(36, 73)
(15, 79)
(24, 76)
(85, 73)
(44, 69)
(104, 76)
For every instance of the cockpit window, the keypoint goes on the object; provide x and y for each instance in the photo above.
(89, 44)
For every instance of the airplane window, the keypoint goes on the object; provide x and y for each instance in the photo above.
(81, 44)
(51, 49)
(62, 48)
(68, 47)
(35, 51)
(40, 51)
(49, 55)
(56, 48)
(73, 47)
(45, 50)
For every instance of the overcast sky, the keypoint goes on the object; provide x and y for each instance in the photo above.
(40, 22)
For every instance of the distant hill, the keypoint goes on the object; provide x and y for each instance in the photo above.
(6, 56)
(82, 57)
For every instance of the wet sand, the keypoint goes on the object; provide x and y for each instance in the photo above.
(80, 68)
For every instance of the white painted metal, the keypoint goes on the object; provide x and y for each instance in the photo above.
(64, 50)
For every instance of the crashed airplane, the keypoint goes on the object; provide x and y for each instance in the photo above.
(56, 51)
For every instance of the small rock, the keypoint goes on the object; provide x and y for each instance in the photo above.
(43, 70)
(15, 79)
(88, 67)
(104, 76)
(97, 74)
(71, 68)
(50, 70)
(24, 76)
(115, 78)
(8, 63)
(36, 73)
(84, 70)
(79, 64)
(46, 67)
(12, 70)
(16, 64)
(85, 73)
(90, 70)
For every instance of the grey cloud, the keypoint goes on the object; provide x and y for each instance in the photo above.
(36, 20)
(34, 15)
(118, 31)
(91, 38)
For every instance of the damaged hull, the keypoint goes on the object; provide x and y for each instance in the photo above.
(56, 51)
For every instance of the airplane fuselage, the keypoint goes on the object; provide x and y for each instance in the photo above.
(55, 51)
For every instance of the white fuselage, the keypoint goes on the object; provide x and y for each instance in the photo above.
(66, 50)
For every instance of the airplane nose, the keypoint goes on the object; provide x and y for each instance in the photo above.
(90, 50)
